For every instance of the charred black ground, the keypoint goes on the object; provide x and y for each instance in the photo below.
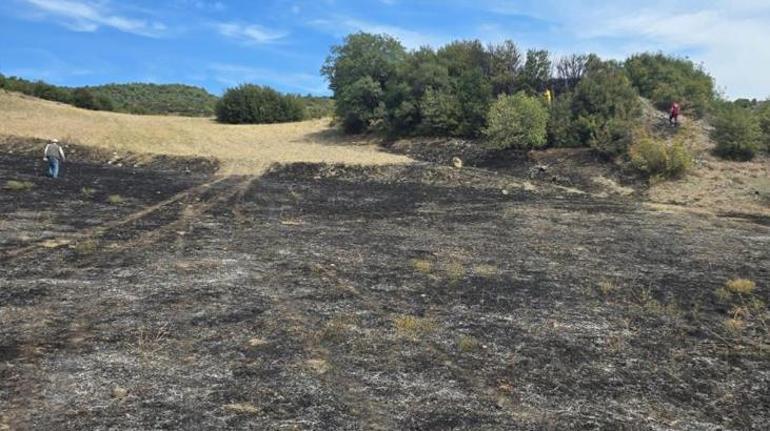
(330, 297)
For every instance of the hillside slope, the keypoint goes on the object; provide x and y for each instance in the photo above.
(241, 149)
(714, 185)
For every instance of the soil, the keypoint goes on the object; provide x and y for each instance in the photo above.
(411, 297)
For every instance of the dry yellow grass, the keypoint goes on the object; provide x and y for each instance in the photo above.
(740, 286)
(716, 185)
(242, 149)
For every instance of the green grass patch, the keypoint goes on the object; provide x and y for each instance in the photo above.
(18, 186)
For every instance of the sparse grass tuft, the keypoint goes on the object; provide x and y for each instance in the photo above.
(486, 271)
(338, 328)
(606, 287)
(734, 326)
(88, 246)
(242, 408)
(422, 265)
(467, 344)
(740, 286)
(455, 271)
(115, 200)
(87, 192)
(18, 186)
(413, 327)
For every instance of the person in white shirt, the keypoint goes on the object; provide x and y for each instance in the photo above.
(54, 155)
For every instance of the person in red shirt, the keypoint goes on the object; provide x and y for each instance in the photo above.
(673, 118)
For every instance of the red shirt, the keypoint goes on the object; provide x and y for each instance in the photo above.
(675, 109)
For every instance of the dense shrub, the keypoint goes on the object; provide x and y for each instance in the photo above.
(664, 79)
(561, 125)
(252, 104)
(358, 72)
(737, 133)
(84, 98)
(378, 86)
(657, 159)
(517, 121)
(604, 111)
(440, 113)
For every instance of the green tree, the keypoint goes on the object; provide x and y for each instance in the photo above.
(440, 113)
(474, 95)
(665, 79)
(505, 67)
(517, 121)
(536, 74)
(462, 57)
(605, 109)
(358, 71)
(360, 105)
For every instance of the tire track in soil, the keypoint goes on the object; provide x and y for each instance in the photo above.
(17, 412)
(94, 232)
(188, 216)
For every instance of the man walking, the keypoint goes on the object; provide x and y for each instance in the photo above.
(54, 154)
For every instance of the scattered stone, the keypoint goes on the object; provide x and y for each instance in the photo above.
(457, 162)
(242, 408)
(256, 342)
(119, 393)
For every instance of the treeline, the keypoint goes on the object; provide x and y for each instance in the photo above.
(144, 98)
(498, 91)
(133, 98)
(161, 99)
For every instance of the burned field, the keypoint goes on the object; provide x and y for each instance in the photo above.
(395, 297)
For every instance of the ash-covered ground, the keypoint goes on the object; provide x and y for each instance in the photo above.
(414, 297)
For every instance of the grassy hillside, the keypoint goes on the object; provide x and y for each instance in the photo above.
(139, 98)
(247, 148)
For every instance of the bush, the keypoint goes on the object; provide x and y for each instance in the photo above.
(474, 94)
(517, 121)
(358, 71)
(605, 110)
(657, 159)
(440, 112)
(737, 133)
(360, 105)
(561, 127)
(664, 80)
(84, 98)
(253, 104)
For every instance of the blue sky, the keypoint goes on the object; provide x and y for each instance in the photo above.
(282, 43)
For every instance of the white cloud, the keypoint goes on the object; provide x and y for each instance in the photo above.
(88, 16)
(249, 33)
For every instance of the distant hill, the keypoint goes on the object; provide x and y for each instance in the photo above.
(143, 98)
(139, 98)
